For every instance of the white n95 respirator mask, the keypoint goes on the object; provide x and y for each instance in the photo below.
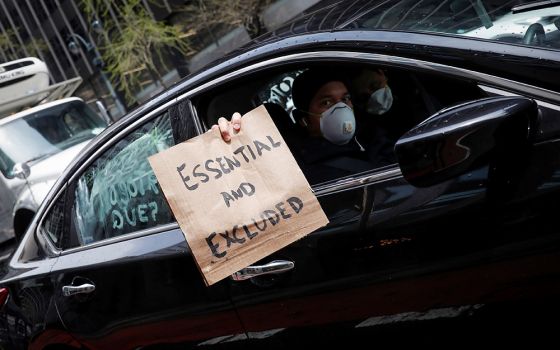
(380, 101)
(338, 124)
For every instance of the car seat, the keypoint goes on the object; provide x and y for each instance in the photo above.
(290, 131)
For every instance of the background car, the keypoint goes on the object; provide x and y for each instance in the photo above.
(21, 82)
(36, 145)
(466, 219)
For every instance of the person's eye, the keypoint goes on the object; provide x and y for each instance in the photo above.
(326, 103)
(347, 98)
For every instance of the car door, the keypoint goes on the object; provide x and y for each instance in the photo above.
(125, 277)
(419, 249)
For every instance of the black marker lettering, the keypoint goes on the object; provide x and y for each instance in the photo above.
(257, 225)
(217, 171)
(248, 188)
(186, 178)
(232, 164)
(272, 143)
(230, 240)
(251, 151)
(282, 210)
(233, 233)
(248, 232)
(214, 246)
(295, 203)
(271, 216)
(259, 147)
(197, 174)
(227, 198)
(240, 150)
(222, 165)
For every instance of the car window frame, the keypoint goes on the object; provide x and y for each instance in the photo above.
(113, 140)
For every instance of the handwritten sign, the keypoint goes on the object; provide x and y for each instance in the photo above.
(240, 201)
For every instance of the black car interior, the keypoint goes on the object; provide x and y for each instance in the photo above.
(416, 96)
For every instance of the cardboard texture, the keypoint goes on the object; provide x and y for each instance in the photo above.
(239, 201)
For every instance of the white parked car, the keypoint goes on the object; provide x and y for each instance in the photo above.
(36, 145)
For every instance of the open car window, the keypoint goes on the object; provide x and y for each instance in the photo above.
(414, 97)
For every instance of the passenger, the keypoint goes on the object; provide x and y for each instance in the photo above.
(372, 92)
(323, 106)
(375, 105)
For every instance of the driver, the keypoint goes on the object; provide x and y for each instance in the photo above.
(330, 149)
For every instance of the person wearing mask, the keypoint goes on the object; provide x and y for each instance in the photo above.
(372, 91)
(376, 106)
(330, 148)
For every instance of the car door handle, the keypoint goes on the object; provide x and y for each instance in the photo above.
(273, 267)
(85, 288)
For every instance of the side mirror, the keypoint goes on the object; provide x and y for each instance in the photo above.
(460, 138)
(21, 171)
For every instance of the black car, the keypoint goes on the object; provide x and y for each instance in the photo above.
(464, 218)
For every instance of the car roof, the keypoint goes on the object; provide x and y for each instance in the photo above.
(37, 109)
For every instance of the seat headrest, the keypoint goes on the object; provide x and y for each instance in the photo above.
(281, 118)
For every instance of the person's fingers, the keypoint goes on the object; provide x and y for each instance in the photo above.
(236, 121)
(214, 128)
(224, 129)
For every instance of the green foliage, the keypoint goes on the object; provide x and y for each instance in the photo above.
(135, 44)
(9, 37)
(204, 15)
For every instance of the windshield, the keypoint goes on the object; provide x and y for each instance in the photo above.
(46, 132)
(521, 22)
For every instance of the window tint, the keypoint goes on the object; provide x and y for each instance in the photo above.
(54, 224)
(119, 193)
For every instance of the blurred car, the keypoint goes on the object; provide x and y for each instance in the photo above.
(466, 216)
(20, 83)
(36, 145)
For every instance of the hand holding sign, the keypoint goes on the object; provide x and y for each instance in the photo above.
(238, 201)
(225, 126)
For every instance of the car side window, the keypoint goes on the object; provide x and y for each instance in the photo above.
(119, 193)
(384, 103)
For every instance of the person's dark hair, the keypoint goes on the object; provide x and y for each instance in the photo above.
(307, 84)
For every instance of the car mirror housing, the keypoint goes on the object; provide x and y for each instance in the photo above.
(463, 137)
(21, 171)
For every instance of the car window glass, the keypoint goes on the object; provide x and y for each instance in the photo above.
(409, 99)
(46, 132)
(54, 224)
(119, 193)
(504, 21)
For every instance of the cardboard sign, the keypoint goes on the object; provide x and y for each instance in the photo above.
(239, 201)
